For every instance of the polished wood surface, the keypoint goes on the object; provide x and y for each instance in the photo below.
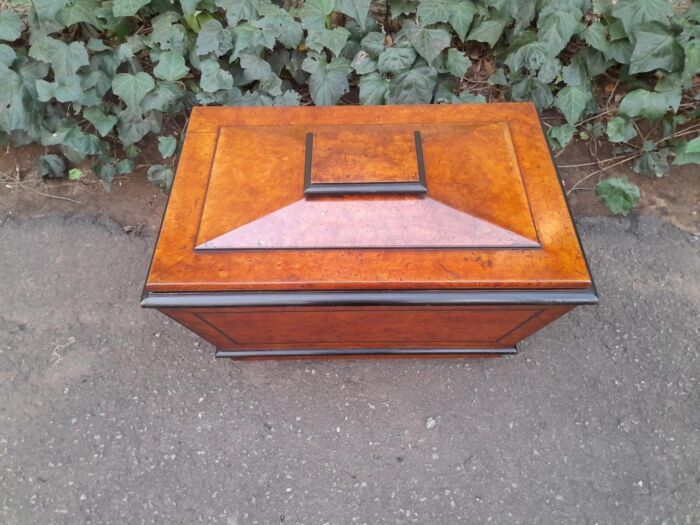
(437, 201)
(369, 222)
(365, 327)
(493, 217)
(363, 153)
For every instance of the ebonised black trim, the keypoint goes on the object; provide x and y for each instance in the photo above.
(242, 354)
(364, 188)
(386, 298)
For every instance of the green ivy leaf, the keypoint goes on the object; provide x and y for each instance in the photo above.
(163, 97)
(432, 11)
(402, 7)
(237, 10)
(633, 13)
(283, 26)
(213, 38)
(647, 104)
(357, 9)
(653, 161)
(560, 136)
(619, 51)
(683, 156)
(48, 9)
(272, 85)
(288, 98)
(395, 59)
(10, 25)
(530, 88)
(171, 66)
(7, 55)
(132, 88)
(314, 12)
(83, 143)
(169, 35)
(461, 15)
(512, 8)
(429, 43)
(362, 63)
(132, 126)
(692, 61)
(414, 86)
(488, 30)
(65, 89)
(105, 169)
(64, 59)
(251, 39)
(467, 98)
(334, 39)
(125, 166)
(128, 7)
(498, 78)
(96, 45)
(556, 29)
(457, 63)
(132, 151)
(534, 58)
(445, 95)
(78, 11)
(373, 43)
(618, 194)
(103, 123)
(655, 48)
(595, 61)
(596, 36)
(616, 31)
(213, 77)
(571, 101)
(51, 166)
(620, 130)
(693, 146)
(255, 68)
(373, 89)
(328, 82)
(167, 146)
(575, 74)
(161, 176)
(189, 6)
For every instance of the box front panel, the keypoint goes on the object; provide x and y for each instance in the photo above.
(368, 327)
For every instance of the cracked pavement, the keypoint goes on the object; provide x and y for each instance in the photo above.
(114, 414)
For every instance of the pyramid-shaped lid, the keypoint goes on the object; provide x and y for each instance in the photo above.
(404, 197)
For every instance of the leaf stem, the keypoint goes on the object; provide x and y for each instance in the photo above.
(601, 170)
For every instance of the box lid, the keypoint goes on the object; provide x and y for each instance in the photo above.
(373, 198)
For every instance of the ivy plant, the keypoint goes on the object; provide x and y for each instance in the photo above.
(98, 79)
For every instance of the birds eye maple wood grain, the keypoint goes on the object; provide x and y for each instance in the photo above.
(387, 199)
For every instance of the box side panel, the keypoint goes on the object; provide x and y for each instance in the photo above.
(368, 327)
(546, 316)
(195, 323)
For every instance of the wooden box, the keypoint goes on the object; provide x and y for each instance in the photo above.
(382, 231)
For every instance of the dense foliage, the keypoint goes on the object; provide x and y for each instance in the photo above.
(95, 78)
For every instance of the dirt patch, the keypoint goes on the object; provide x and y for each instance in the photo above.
(674, 197)
(134, 202)
(138, 205)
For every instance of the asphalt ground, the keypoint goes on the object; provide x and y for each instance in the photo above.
(114, 414)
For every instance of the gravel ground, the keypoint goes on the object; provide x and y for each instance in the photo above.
(114, 414)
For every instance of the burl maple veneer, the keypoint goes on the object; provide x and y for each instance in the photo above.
(355, 231)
